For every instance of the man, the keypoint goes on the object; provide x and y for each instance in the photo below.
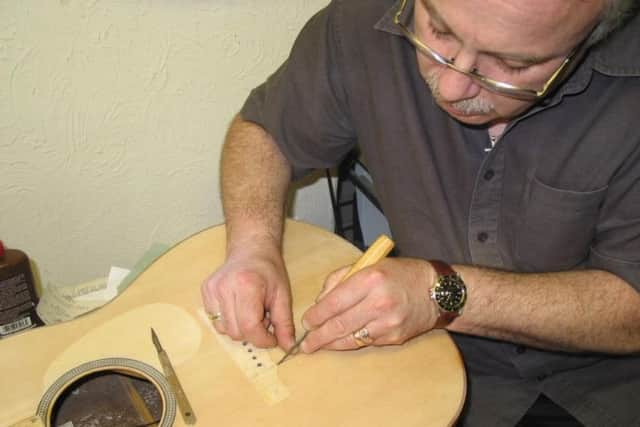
(517, 163)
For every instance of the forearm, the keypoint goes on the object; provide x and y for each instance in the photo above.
(255, 178)
(570, 311)
(250, 291)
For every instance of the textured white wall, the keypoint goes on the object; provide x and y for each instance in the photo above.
(112, 115)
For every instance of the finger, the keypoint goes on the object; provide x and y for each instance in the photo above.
(339, 299)
(282, 320)
(266, 322)
(208, 301)
(339, 327)
(332, 281)
(217, 321)
(250, 315)
(377, 331)
(227, 324)
(211, 305)
(346, 343)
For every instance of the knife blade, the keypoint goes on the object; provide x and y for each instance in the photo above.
(377, 251)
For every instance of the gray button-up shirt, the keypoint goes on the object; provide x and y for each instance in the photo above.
(559, 191)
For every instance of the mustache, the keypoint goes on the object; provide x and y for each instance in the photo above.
(470, 106)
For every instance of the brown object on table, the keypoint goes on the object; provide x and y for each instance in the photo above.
(421, 383)
(18, 297)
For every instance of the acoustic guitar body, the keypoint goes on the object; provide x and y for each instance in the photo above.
(421, 383)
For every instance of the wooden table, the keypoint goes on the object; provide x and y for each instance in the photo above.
(421, 383)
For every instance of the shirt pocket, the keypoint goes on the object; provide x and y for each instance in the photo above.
(556, 227)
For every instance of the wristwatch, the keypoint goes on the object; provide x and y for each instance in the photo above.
(449, 293)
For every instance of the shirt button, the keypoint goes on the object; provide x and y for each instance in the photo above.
(520, 349)
(482, 237)
(489, 174)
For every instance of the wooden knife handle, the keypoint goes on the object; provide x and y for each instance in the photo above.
(377, 251)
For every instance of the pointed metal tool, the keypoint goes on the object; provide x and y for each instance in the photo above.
(377, 251)
(293, 348)
(183, 403)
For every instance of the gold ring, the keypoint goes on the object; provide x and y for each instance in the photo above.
(215, 316)
(362, 337)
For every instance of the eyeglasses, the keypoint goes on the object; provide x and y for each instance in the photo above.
(503, 88)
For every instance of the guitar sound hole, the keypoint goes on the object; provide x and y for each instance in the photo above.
(108, 399)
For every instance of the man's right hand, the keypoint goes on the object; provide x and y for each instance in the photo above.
(251, 293)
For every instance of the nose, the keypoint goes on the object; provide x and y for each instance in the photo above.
(455, 86)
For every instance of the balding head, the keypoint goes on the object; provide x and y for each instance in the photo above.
(549, 27)
(521, 43)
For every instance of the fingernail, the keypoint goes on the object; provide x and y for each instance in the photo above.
(305, 325)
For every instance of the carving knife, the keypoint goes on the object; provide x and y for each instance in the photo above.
(377, 251)
(183, 403)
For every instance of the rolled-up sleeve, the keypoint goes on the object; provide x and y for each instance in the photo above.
(616, 247)
(304, 105)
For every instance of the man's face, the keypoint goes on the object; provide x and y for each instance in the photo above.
(521, 42)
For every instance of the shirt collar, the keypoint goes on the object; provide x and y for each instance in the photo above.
(619, 54)
(387, 24)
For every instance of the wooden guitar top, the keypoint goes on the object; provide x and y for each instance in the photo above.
(421, 383)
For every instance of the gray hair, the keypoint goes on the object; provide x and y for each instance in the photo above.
(614, 15)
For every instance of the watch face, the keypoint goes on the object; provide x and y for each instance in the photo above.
(450, 293)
